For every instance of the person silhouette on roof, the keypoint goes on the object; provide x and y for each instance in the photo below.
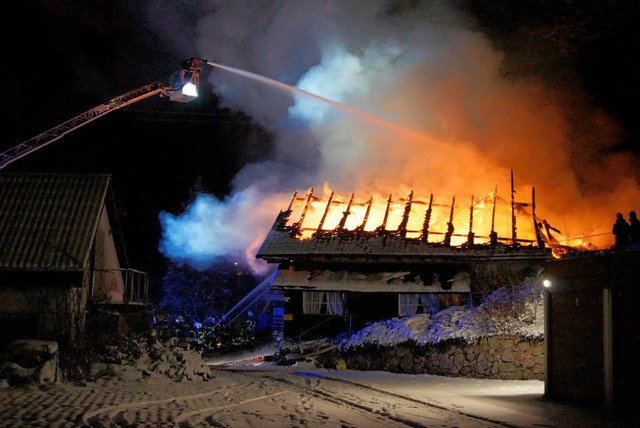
(620, 232)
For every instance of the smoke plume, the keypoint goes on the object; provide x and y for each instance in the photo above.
(441, 115)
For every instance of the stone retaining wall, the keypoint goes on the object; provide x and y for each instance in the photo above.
(493, 357)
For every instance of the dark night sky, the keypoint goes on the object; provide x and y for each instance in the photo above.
(68, 57)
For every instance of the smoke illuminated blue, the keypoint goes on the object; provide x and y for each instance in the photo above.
(210, 229)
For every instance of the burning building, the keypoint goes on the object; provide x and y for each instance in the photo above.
(344, 262)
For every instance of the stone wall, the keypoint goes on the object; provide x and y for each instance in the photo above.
(492, 357)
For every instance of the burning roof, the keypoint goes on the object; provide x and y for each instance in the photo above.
(409, 227)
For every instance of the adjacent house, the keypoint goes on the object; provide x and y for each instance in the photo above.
(61, 257)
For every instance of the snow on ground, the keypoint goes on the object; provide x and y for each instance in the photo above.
(247, 389)
(266, 395)
(506, 403)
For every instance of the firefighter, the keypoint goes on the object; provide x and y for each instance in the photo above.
(277, 340)
(621, 231)
(250, 326)
(180, 327)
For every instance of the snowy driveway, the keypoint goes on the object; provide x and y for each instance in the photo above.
(265, 395)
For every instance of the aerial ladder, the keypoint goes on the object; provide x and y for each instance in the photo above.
(182, 87)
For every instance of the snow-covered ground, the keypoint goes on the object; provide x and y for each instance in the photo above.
(247, 389)
(262, 394)
(461, 402)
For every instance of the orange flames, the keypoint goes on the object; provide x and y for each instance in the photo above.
(473, 221)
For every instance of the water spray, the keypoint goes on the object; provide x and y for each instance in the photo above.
(364, 115)
(254, 295)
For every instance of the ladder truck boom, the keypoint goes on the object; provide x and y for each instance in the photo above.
(182, 87)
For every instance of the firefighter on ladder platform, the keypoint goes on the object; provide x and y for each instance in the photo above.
(188, 69)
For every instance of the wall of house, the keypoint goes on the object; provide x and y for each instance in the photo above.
(494, 357)
(108, 283)
(18, 315)
(360, 309)
(45, 312)
(372, 291)
(297, 324)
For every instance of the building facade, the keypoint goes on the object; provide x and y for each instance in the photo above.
(59, 257)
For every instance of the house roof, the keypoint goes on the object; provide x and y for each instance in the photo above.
(291, 241)
(48, 221)
(280, 246)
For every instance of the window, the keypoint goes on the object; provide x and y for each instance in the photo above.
(411, 304)
(323, 302)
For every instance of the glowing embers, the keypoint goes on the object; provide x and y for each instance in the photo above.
(416, 217)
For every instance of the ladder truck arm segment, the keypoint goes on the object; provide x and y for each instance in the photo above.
(182, 87)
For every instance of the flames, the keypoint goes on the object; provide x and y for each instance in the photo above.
(423, 217)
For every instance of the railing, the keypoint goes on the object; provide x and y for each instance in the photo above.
(136, 284)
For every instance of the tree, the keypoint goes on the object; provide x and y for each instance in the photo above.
(198, 295)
